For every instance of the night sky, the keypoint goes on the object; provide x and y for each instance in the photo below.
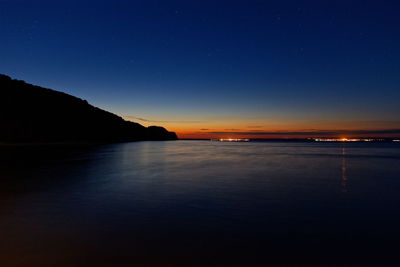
(217, 68)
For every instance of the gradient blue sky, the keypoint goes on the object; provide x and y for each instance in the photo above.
(215, 68)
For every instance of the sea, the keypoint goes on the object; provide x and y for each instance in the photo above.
(200, 203)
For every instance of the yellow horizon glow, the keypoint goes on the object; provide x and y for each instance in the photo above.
(236, 128)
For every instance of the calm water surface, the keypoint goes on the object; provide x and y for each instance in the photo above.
(185, 202)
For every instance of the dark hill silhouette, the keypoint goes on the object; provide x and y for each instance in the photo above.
(31, 113)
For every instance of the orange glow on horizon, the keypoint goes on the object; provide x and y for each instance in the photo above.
(231, 127)
(243, 134)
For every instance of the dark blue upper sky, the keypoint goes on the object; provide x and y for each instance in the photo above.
(198, 64)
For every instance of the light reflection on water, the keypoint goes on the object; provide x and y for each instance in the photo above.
(198, 201)
(344, 171)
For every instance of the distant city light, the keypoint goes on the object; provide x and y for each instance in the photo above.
(233, 140)
(348, 139)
